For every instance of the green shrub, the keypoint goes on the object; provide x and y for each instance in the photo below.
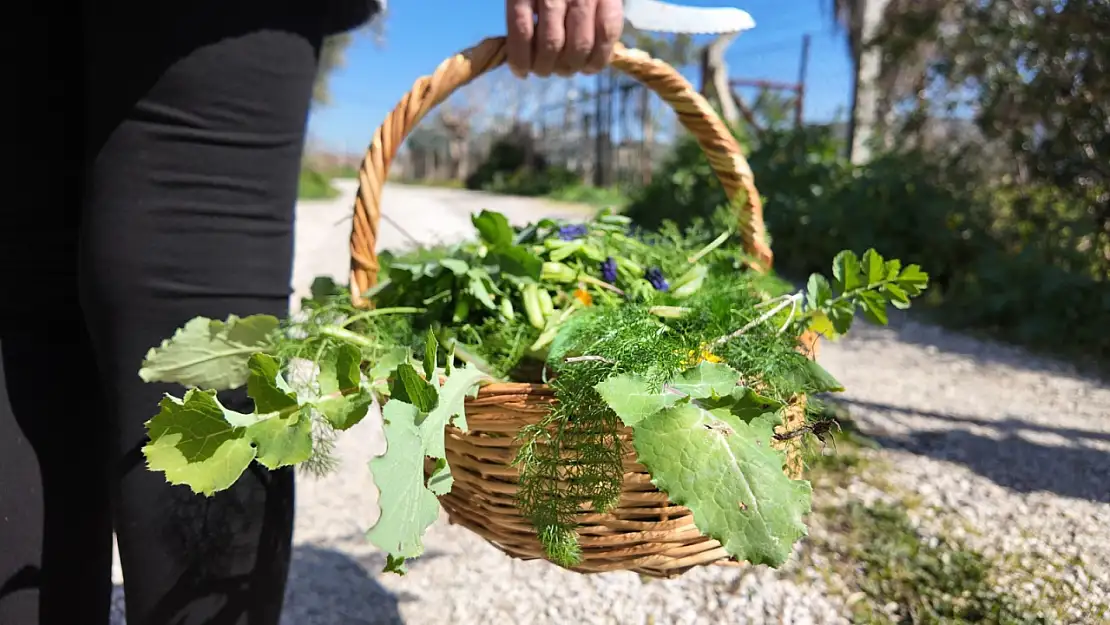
(315, 185)
(1028, 263)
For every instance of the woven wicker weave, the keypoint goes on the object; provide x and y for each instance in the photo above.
(645, 533)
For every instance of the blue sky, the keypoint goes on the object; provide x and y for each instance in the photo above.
(421, 33)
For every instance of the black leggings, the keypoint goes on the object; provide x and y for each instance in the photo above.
(153, 156)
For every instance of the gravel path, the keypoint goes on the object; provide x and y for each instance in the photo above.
(1009, 450)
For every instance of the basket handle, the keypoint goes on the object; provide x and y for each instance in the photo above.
(694, 112)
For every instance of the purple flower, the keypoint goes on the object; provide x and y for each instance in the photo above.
(609, 270)
(572, 232)
(655, 277)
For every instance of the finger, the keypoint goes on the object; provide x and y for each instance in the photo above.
(550, 36)
(520, 26)
(608, 22)
(580, 36)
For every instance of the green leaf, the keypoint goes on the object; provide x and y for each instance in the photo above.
(462, 383)
(707, 379)
(846, 270)
(892, 268)
(874, 269)
(441, 480)
(896, 296)
(874, 307)
(208, 353)
(408, 508)
(431, 351)
(813, 378)
(323, 287)
(821, 324)
(912, 280)
(494, 228)
(746, 404)
(818, 291)
(633, 398)
(476, 286)
(270, 392)
(455, 266)
(193, 444)
(727, 473)
(342, 401)
(282, 441)
(383, 369)
(394, 564)
(841, 315)
(410, 387)
(518, 261)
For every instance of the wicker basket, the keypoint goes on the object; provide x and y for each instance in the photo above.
(645, 532)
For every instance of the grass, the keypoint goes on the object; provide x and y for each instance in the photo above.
(893, 574)
(315, 185)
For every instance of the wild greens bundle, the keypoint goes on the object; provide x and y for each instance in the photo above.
(667, 333)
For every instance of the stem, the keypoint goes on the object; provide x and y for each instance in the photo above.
(709, 248)
(384, 311)
(601, 283)
(791, 300)
(344, 334)
(603, 359)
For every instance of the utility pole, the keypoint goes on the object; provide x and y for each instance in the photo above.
(803, 67)
(865, 95)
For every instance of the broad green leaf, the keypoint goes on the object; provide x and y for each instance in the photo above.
(342, 401)
(707, 379)
(874, 269)
(410, 387)
(456, 266)
(282, 441)
(408, 508)
(494, 228)
(874, 307)
(818, 291)
(193, 444)
(462, 383)
(892, 268)
(441, 480)
(270, 392)
(633, 398)
(518, 261)
(896, 296)
(729, 475)
(323, 287)
(208, 353)
(813, 378)
(821, 324)
(383, 369)
(746, 404)
(846, 270)
(841, 315)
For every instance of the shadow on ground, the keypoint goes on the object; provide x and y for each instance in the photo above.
(328, 587)
(1079, 467)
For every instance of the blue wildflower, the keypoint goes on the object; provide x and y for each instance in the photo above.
(655, 276)
(572, 232)
(609, 270)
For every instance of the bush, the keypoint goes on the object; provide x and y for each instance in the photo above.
(315, 185)
(1028, 264)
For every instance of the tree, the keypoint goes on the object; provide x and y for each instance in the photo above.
(333, 56)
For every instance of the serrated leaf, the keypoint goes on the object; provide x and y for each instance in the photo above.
(818, 291)
(410, 387)
(208, 353)
(633, 398)
(729, 475)
(408, 508)
(192, 443)
(746, 404)
(282, 441)
(874, 269)
(874, 307)
(462, 383)
(707, 379)
(913, 280)
(896, 296)
(892, 268)
(841, 315)
(846, 270)
(494, 228)
(342, 401)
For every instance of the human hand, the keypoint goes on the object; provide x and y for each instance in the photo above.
(561, 36)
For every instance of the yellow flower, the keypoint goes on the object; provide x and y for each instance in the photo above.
(706, 356)
(583, 296)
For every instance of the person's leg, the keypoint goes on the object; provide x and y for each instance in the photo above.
(55, 520)
(197, 124)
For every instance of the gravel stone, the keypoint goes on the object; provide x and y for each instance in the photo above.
(1006, 451)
